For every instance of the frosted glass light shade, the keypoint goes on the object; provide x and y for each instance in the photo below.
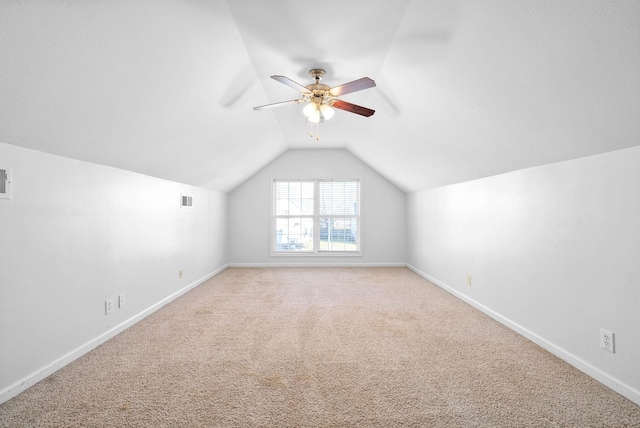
(327, 111)
(310, 110)
(314, 118)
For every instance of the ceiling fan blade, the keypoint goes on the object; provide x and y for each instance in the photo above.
(280, 104)
(291, 83)
(352, 108)
(356, 85)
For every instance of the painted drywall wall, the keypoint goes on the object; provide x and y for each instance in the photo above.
(552, 251)
(75, 234)
(383, 239)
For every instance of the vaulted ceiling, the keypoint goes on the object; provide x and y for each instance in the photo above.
(465, 89)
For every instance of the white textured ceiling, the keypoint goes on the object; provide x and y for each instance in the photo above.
(466, 89)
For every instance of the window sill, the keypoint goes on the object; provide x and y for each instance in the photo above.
(318, 254)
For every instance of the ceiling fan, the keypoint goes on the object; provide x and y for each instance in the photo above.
(322, 99)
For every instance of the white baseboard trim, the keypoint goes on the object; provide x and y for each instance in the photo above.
(590, 370)
(268, 265)
(22, 385)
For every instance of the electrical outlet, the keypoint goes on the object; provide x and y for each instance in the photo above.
(180, 273)
(468, 279)
(108, 306)
(607, 340)
(121, 300)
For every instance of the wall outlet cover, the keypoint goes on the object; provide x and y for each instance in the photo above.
(607, 341)
(108, 306)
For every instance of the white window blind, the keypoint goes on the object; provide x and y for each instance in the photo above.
(316, 216)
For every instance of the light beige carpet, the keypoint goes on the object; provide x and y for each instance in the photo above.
(318, 347)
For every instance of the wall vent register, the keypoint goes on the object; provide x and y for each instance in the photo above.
(5, 183)
(186, 201)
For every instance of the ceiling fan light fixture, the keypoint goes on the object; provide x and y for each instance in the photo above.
(310, 110)
(327, 111)
(315, 118)
(312, 113)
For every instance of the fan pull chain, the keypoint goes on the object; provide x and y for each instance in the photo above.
(317, 131)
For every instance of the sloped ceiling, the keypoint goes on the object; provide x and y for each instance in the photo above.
(466, 89)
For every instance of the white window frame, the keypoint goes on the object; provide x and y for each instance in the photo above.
(316, 252)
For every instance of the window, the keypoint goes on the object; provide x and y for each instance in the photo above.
(316, 217)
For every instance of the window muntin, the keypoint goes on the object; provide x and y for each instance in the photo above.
(316, 217)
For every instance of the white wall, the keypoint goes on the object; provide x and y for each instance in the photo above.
(553, 251)
(382, 211)
(75, 234)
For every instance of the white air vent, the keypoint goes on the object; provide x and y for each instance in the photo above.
(186, 201)
(5, 183)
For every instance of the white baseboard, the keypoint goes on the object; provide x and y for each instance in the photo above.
(268, 265)
(18, 387)
(602, 377)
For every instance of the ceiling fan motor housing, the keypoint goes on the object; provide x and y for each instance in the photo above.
(320, 94)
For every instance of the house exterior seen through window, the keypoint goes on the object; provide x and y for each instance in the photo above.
(316, 217)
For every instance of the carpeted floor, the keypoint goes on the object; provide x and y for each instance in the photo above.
(318, 347)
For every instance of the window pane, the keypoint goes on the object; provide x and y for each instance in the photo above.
(294, 234)
(295, 190)
(307, 189)
(338, 234)
(282, 206)
(293, 198)
(282, 189)
(339, 198)
(281, 198)
(306, 194)
(307, 206)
